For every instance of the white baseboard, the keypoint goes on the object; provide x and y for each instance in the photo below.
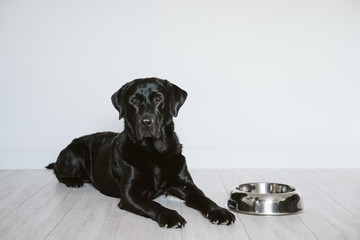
(27, 159)
(339, 157)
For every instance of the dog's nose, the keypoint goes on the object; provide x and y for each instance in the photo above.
(147, 122)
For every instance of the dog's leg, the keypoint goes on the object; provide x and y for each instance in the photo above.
(185, 189)
(69, 169)
(196, 199)
(132, 201)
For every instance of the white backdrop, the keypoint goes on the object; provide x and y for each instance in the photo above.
(270, 83)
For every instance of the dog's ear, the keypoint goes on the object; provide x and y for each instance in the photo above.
(177, 97)
(119, 101)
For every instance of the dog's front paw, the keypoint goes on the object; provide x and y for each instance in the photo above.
(220, 216)
(171, 219)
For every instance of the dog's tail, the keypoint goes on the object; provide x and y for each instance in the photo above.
(50, 166)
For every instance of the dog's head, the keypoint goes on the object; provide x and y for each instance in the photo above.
(147, 104)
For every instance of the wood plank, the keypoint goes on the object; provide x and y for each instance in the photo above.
(87, 217)
(17, 186)
(265, 227)
(325, 218)
(199, 227)
(98, 217)
(342, 186)
(37, 216)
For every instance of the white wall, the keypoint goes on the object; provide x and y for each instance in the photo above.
(270, 83)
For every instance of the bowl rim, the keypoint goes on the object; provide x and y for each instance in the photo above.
(236, 189)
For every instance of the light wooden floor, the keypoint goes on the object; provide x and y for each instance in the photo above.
(33, 205)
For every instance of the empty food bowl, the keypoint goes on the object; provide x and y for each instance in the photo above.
(264, 198)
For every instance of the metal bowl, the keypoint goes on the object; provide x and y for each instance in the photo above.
(263, 198)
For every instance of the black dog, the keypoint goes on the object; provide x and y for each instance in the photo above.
(144, 161)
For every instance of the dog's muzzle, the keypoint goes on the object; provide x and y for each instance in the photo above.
(147, 127)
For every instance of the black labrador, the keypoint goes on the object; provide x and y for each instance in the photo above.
(142, 162)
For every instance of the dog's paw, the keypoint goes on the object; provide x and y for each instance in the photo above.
(171, 219)
(220, 216)
(73, 182)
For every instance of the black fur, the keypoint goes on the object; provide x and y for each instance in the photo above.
(144, 161)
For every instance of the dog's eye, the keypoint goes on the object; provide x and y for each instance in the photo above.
(157, 99)
(135, 101)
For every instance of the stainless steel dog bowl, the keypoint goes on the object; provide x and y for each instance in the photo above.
(265, 199)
